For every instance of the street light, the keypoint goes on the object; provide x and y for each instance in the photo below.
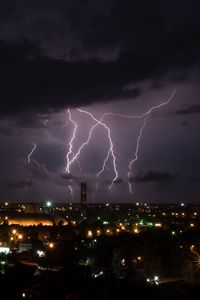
(51, 245)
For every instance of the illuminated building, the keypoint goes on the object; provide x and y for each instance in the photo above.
(32, 219)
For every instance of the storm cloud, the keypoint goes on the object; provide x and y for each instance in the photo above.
(75, 54)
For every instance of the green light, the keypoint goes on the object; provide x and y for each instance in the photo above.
(150, 224)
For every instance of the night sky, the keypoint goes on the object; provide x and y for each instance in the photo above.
(101, 56)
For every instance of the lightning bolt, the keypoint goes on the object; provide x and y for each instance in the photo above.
(145, 115)
(136, 153)
(156, 107)
(84, 144)
(72, 157)
(30, 154)
(75, 156)
(70, 153)
(104, 164)
(111, 146)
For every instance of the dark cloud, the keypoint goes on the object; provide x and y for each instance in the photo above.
(31, 120)
(42, 83)
(74, 54)
(155, 176)
(188, 109)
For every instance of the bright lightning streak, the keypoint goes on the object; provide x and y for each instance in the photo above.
(71, 141)
(30, 154)
(136, 153)
(145, 113)
(104, 164)
(75, 157)
(145, 116)
(70, 153)
(110, 152)
(111, 148)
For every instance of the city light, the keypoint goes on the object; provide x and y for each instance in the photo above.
(123, 262)
(4, 250)
(51, 245)
(98, 231)
(41, 253)
(89, 234)
(192, 247)
(105, 222)
(48, 204)
(154, 280)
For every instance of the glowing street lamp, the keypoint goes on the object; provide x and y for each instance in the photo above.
(14, 231)
(20, 236)
(51, 245)
(48, 204)
(89, 234)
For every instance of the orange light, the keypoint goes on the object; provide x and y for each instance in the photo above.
(51, 245)
(20, 236)
(89, 234)
(136, 230)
